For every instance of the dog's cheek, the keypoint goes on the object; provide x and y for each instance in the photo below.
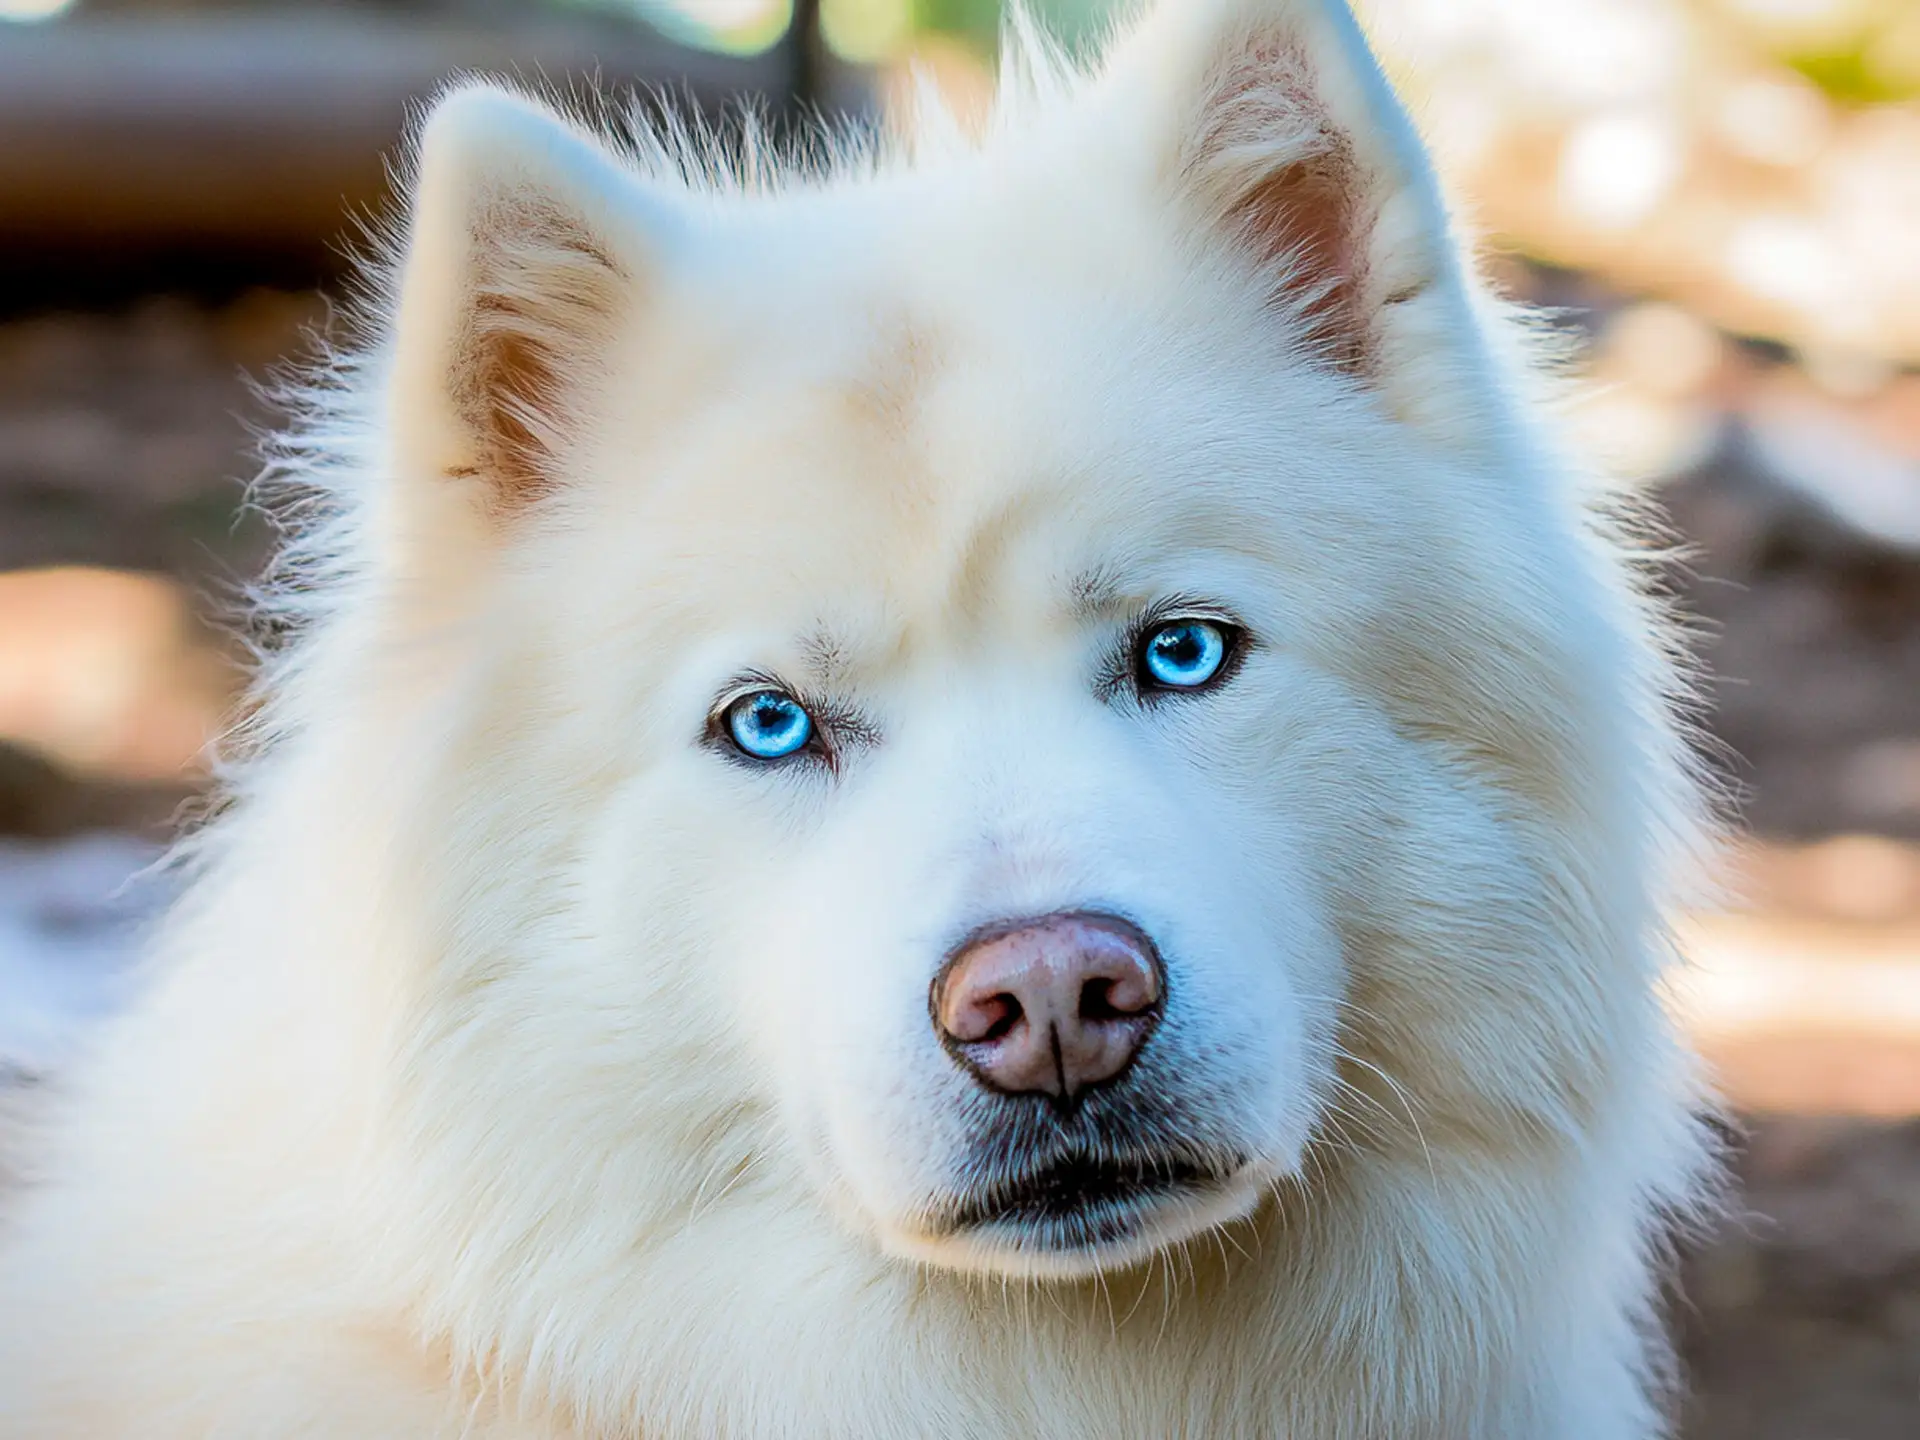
(828, 965)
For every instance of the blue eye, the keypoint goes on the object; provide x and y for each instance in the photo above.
(1183, 655)
(769, 725)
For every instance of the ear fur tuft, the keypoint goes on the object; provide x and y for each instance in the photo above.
(527, 244)
(1289, 140)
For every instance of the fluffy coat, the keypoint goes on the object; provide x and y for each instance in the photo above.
(517, 1064)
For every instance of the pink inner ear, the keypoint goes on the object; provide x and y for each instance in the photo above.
(545, 294)
(1304, 218)
(511, 378)
(1296, 196)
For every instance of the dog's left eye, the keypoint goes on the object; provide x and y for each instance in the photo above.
(1184, 655)
(768, 725)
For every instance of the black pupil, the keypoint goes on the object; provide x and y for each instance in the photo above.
(1180, 646)
(770, 714)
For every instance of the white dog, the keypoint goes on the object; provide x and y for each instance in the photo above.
(999, 792)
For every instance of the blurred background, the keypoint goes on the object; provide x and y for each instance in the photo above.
(1721, 196)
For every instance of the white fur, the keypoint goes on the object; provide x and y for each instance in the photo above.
(517, 1065)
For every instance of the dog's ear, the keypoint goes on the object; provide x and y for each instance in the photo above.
(1273, 122)
(527, 243)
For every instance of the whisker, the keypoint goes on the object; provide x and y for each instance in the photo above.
(1406, 1103)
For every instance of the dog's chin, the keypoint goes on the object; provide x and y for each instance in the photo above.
(1078, 1218)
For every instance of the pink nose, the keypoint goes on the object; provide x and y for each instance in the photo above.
(1052, 1006)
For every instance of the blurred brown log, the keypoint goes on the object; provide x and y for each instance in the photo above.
(266, 131)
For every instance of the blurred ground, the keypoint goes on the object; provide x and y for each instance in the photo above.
(1801, 1316)
(1804, 1324)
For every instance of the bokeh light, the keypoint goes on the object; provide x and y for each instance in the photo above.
(29, 11)
(738, 26)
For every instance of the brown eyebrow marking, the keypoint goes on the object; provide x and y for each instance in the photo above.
(825, 656)
(904, 367)
(1097, 595)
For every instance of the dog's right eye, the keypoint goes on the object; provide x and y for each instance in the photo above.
(768, 725)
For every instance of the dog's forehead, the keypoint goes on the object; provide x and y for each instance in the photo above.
(920, 471)
(930, 419)
(835, 499)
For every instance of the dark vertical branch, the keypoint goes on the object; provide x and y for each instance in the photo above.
(807, 47)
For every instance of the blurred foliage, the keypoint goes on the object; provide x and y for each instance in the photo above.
(1857, 51)
(875, 29)
(1861, 73)
(977, 19)
(738, 26)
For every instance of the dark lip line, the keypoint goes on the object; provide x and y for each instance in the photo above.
(1134, 1184)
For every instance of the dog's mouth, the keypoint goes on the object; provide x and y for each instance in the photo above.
(1082, 1204)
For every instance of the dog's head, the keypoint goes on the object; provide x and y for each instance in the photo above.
(1007, 691)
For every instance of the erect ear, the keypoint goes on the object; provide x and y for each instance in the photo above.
(527, 244)
(1274, 121)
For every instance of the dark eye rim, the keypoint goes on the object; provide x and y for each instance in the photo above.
(834, 726)
(729, 717)
(719, 730)
(1183, 611)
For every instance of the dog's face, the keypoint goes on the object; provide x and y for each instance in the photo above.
(988, 750)
(944, 634)
(957, 665)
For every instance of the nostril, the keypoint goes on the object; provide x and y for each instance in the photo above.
(1123, 995)
(1008, 1016)
(977, 1014)
(1096, 1000)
